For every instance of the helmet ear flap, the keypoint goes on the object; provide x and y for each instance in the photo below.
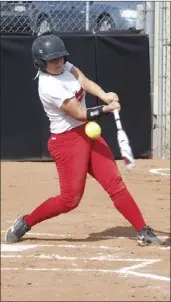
(39, 64)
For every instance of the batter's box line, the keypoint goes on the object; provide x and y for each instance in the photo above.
(160, 171)
(101, 258)
(130, 271)
(125, 271)
(21, 247)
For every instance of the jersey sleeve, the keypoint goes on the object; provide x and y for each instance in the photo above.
(58, 94)
(68, 66)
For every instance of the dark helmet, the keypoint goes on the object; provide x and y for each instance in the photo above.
(46, 48)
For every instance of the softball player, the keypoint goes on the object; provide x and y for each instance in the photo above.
(62, 89)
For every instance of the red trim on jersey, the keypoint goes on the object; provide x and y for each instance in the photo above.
(79, 94)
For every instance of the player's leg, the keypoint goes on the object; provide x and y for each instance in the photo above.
(103, 168)
(71, 154)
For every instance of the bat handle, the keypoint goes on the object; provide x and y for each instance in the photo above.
(116, 114)
(117, 119)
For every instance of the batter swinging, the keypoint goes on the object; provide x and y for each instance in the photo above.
(62, 89)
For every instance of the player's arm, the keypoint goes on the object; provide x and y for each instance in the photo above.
(74, 109)
(92, 88)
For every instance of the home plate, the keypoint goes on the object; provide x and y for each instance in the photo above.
(16, 248)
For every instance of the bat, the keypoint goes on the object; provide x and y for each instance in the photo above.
(123, 142)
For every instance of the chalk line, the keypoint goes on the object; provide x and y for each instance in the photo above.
(6, 247)
(125, 271)
(93, 258)
(130, 271)
(12, 256)
(17, 247)
(158, 171)
(86, 270)
(20, 247)
(140, 265)
(145, 275)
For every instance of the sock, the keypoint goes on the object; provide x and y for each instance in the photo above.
(126, 205)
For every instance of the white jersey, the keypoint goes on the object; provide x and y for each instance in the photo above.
(53, 91)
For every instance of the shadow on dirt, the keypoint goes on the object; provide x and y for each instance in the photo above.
(125, 232)
(166, 242)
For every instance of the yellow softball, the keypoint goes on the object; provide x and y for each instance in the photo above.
(93, 130)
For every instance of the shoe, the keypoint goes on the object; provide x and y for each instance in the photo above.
(146, 236)
(17, 230)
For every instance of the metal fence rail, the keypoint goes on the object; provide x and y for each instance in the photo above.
(67, 16)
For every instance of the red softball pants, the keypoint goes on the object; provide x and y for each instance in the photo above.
(75, 155)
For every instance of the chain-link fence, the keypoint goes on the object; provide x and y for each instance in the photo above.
(36, 17)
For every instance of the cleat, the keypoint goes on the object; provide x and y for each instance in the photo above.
(147, 237)
(17, 230)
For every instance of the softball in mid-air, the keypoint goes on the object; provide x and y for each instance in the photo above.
(93, 130)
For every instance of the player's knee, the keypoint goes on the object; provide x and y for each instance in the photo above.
(115, 186)
(71, 201)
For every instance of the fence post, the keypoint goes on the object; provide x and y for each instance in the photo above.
(87, 15)
(149, 30)
(166, 80)
(160, 80)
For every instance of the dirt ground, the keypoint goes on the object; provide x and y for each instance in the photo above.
(89, 254)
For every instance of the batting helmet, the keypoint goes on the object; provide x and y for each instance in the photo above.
(46, 48)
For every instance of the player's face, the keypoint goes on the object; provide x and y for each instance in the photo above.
(55, 66)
